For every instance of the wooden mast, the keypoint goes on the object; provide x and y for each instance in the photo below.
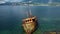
(30, 22)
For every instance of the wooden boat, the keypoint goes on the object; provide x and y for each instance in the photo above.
(29, 24)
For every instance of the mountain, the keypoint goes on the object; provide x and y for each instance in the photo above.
(31, 3)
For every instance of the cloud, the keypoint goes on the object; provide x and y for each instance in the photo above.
(14, 0)
(6, 0)
(2, 2)
(11, 0)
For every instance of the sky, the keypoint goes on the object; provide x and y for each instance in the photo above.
(3, 1)
(22, 0)
(42, 1)
(10, 0)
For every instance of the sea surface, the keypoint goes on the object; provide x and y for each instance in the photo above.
(11, 18)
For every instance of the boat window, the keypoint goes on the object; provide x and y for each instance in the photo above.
(30, 19)
(33, 19)
(26, 21)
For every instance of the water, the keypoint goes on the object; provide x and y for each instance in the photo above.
(11, 18)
